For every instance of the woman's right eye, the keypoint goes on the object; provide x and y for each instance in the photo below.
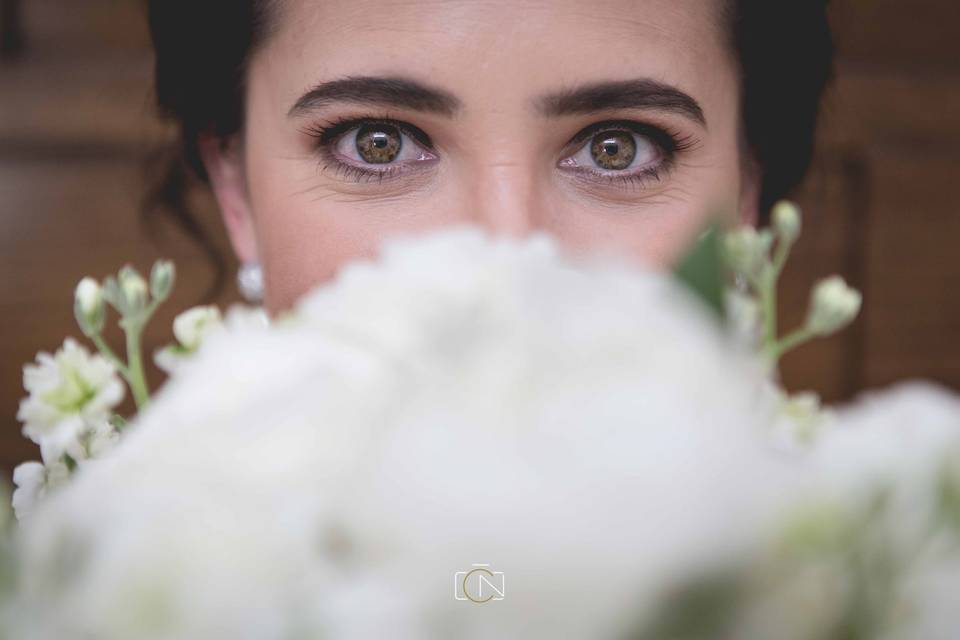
(381, 144)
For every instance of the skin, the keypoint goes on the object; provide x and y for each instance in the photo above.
(498, 162)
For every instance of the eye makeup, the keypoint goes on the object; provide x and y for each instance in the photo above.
(603, 153)
(606, 141)
(329, 137)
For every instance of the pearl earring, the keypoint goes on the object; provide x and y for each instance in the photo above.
(250, 282)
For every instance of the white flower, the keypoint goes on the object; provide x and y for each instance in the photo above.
(240, 316)
(799, 417)
(192, 325)
(67, 390)
(899, 441)
(191, 328)
(33, 481)
(462, 400)
(586, 429)
(93, 441)
(169, 358)
(900, 432)
(833, 305)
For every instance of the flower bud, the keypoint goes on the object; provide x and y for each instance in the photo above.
(161, 279)
(112, 294)
(193, 324)
(786, 220)
(134, 288)
(88, 296)
(88, 306)
(833, 305)
(747, 250)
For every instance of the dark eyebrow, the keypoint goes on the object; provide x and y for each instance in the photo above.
(642, 93)
(378, 91)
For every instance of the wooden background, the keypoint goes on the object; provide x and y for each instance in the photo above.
(881, 203)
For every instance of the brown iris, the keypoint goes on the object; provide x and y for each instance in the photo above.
(378, 143)
(613, 150)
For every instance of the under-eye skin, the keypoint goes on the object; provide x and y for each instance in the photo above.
(624, 153)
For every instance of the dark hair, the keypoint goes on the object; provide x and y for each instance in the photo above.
(785, 50)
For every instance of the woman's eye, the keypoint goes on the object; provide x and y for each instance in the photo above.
(615, 151)
(379, 144)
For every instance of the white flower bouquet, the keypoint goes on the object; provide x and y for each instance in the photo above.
(476, 438)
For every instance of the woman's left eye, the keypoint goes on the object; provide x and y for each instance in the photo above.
(616, 151)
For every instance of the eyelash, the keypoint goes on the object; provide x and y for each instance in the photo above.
(668, 143)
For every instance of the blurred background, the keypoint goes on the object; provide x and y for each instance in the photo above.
(881, 207)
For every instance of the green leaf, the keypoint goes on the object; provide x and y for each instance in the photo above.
(702, 270)
(706, 607)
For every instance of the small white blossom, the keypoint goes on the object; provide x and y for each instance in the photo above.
(833, 305)
(799, 417)
(169, 358)
(93, 441)
(89, 307)
(747, 250)
(33, 481)
(786, 220)
(161, 279)
(88, 296)
(192, 325)
(190, 328)
(241, 316)
(67, 391)
(134, 288)
(743, 317)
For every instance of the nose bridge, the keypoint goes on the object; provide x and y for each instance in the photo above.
(504, 195)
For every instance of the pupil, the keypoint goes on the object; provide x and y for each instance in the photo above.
(611, 148)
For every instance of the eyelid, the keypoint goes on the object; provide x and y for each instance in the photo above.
(668, 142)
(327, 133)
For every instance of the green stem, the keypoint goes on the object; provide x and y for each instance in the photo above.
(780, 257)
(791, 341)
(768, 305)
(109, 354)
(767, 287)
(136, 376)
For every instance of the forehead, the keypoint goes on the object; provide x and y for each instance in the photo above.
(509, 46)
